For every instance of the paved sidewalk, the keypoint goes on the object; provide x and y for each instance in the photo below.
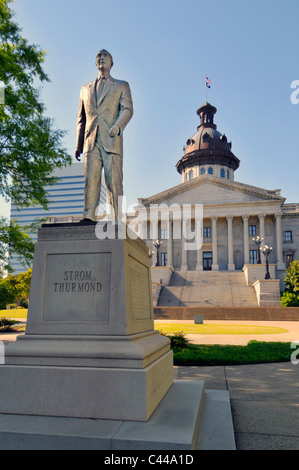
(264, 397)
(264, 402)
(9, 337)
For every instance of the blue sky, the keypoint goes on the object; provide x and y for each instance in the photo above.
(164, 49)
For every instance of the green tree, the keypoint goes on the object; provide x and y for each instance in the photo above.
(292, 278)
(14, 288)
(23, 284)
(8, 290)
(6, 295)
(14, 238)
(30, 146)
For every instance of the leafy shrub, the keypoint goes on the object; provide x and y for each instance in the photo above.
(24, 303)
(177, 340)
(289, 299)
(6, 324)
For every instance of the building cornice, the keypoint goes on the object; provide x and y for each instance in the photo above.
(270, 195)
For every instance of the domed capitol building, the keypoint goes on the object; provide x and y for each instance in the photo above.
(238, 221)
(231, 224)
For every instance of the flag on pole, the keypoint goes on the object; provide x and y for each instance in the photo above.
(208, 82)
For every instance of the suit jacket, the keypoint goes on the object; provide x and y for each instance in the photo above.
(115, 107)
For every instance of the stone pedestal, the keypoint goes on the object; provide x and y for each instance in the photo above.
(255, 272)
(90, 350)
(267, 292)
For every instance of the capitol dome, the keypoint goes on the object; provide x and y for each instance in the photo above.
(208, 151)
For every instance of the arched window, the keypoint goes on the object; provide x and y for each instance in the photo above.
(202, 171)
(227, 174)
(190, 175)
(206, 137)
(210, 170)
(222, 173)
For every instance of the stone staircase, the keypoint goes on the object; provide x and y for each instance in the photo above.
(207, 289)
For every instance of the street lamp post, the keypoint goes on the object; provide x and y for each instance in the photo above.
(266, 251)
(157, 245)
(150, 254)
(258, 240)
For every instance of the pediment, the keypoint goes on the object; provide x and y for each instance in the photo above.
(207, 190)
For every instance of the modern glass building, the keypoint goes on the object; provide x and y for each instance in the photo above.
(65, 204)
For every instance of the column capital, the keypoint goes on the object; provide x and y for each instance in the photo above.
(229, 217)
(277, 215)
(261, 216)
(245, 217)
(214, 217)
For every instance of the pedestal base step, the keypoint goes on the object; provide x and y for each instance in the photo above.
(187, 418)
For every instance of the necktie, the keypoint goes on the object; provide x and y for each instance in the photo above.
(100, 87)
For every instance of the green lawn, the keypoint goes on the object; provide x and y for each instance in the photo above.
(215, 329)
(208, 355)
(14, 313)
(219, 355)
(255, 352)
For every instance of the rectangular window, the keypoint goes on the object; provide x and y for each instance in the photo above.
(163, 259)
(288, 236)
(252, 230)
(253, 256)
(207, 232)
(164, 234)
(207, 260)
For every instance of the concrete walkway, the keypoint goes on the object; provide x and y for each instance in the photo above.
(264, 398)
(264, 402)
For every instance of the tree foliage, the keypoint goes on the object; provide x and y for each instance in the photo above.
(290, 298)
(14, 288)
(292, 278)
(30, 145)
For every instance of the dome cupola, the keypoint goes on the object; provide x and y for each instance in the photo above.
(208, 151)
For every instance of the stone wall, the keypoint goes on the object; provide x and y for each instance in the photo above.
(161, 276)
(254, 272)
(267, 292)
(228, 313)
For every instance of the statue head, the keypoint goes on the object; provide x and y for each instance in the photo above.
(104, 60)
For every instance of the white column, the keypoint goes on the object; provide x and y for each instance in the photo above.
(280, 263)
(143, 229)
(215, 266)
(184, 265)
(169, 244)
(246, 238)
(262, 228)
(199, 260)
(230, 245)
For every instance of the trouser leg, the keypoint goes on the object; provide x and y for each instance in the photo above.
(92, 176)
(113, 168)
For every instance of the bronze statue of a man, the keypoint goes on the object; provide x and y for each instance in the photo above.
(105, 108)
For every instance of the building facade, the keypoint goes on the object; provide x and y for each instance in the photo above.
(66, 199)
(233, 213)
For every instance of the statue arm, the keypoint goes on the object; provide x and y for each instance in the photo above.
(126, 108)
(81, 122)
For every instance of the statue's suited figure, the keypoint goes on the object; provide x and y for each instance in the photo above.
(105, 108)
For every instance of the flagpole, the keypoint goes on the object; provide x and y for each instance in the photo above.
(206, 89)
